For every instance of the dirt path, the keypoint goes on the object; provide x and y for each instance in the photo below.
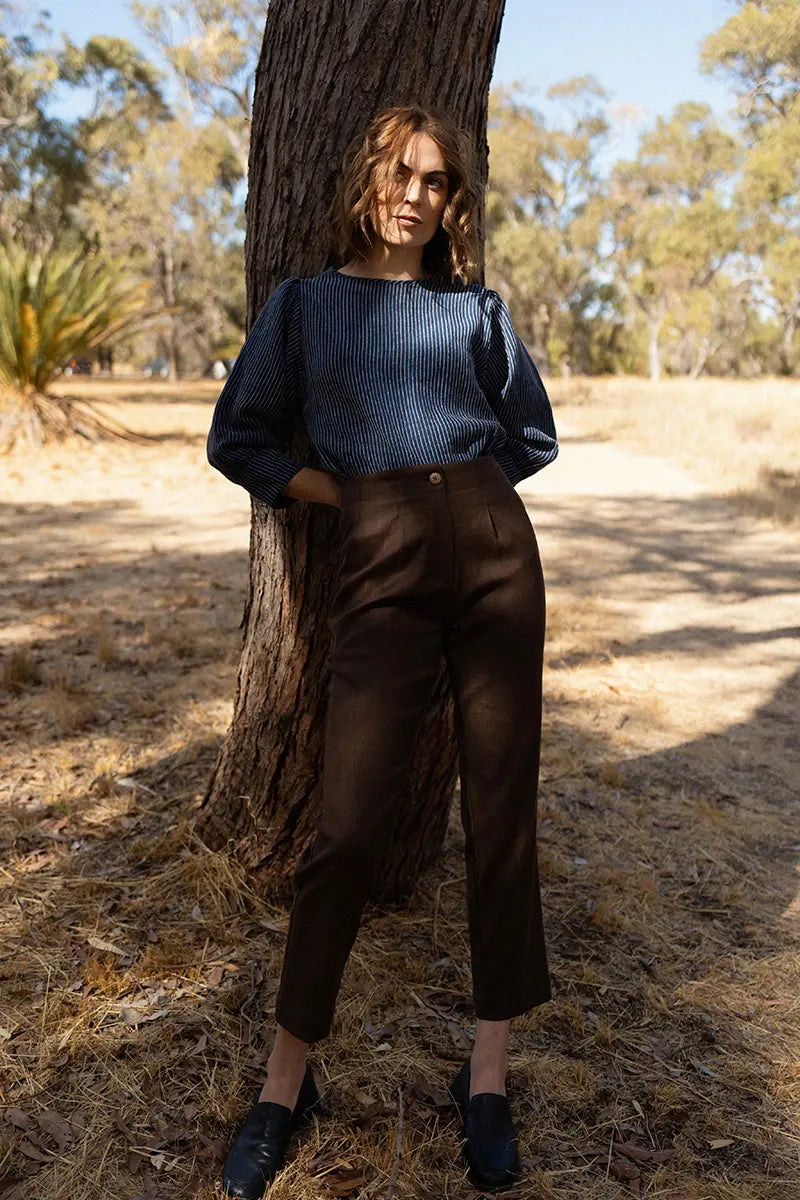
(693, 608)
(668, 836)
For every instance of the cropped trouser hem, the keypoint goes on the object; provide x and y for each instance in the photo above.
(305, 1031)
(493, 1012)
(315, 1032)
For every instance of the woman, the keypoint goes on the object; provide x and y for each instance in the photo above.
(425, 409)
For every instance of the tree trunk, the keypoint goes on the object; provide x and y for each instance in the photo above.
(705, 351)
(653, 349)
(787, 341)
(541, 327)
(168, 291)
(324, 71)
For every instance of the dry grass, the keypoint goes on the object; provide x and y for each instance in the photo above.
(741, 437)
(18, 671)
(140, 969)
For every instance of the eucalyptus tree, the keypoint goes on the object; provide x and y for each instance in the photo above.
(42, 168)
(672, 226)
(544, 215)
(758, 50)
(212, 48)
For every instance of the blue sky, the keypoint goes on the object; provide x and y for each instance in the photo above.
(645, 55)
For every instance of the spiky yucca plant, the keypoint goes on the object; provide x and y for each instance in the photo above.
(53, 305)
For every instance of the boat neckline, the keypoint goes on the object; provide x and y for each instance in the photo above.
(380, 278)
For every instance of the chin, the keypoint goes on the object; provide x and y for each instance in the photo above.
(397, 239)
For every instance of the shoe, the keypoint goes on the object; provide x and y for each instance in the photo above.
(258, 1153)
(490, 1138)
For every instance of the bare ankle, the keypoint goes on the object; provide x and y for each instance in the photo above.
(286, 1067)
(288, 1053)
(283, 1084)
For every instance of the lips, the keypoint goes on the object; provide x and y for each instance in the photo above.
(409, 220)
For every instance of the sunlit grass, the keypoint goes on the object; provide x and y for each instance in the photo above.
(740, 436)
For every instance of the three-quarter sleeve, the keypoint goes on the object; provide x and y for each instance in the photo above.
(515, 391)
(254, 413)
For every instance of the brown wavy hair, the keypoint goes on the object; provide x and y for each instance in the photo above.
(370, 162)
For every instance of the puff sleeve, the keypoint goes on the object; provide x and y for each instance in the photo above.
(515, 391)
(253, 417)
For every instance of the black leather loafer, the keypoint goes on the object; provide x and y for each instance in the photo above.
(490, 1138)
(258, 1153)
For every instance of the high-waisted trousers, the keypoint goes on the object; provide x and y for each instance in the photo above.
(437, 559)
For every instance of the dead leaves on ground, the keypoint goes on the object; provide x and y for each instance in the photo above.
(624, 1159)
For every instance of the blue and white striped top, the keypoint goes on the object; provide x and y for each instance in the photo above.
(386, 373)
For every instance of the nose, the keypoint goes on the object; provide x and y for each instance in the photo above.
(413, 190)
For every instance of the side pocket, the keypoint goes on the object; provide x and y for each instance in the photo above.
(494, 523)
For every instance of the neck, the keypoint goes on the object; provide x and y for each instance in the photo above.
(390, 262)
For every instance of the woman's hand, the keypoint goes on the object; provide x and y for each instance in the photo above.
(336, 495)
(320, 487)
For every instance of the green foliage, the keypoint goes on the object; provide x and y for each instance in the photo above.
(672, 231)
(52, 306)
(125, 86)
(212, 47)
(165, 204)
(758, 48)
(42, 169)
(544, 217)
(47, 165)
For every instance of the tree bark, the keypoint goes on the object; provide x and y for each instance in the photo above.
(167, 268)
(790, 318)
(326, 68)
(541, 327)
(653, 349)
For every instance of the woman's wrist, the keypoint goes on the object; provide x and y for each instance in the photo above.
(320, 487)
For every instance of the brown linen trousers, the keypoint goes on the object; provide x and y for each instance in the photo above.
(437, 558)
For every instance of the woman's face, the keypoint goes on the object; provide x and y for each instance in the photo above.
(419, 190)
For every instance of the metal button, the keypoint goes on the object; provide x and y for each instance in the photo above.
(435, 477)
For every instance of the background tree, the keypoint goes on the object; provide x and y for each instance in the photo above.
(41, 165)
(212, 47)
(166, 199)
(544, 216)
(758, 48)
(265, 790)
(671, 229)
(134, 178)
(703, 322)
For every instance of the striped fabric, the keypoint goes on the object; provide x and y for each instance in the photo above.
(385, 373)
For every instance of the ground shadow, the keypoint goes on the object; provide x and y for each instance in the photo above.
(652, 878)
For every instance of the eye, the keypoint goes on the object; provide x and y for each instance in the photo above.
(435, 181)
